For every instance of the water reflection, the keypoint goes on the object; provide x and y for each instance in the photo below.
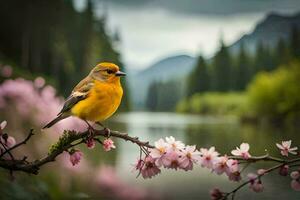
(223, 133)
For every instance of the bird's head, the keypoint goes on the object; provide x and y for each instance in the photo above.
(107, 72)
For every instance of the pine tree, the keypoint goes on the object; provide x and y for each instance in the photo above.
(198, 80)
(243, 72)
(295, 42)
(222, 69)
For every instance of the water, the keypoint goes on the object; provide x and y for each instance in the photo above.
(225, 133)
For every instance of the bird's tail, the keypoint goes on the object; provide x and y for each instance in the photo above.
(54, 121)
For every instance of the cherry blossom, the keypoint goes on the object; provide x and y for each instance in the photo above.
(284, 170)
(285, 148)
(175, 145)
(295, 183)
(90, 143)
(255, 183)
(171, 160)
(5, 139)
(208, 157)
(216, 194)
(75, 157)
(189, 155)
(108, 144)
(3, 125)
(159, 151)
(295, 175)
(242, 151)
(149, 169)
(220, 165)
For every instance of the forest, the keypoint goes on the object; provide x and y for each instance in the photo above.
(39, 40)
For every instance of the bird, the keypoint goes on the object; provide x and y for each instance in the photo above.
(96, 97)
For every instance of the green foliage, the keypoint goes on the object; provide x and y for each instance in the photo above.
(67, 138)
(276, 95)
(213, 103)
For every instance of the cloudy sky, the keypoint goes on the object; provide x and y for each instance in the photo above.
(154, 29)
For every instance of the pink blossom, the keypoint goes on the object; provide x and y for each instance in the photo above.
(90, 143)
(220, 165)
(232, 170)
(234, 176)
(295, 184)
(261, 171)
(171, 160)
(242, 151)
(173, 144)
(233, 166)
(284, 170)
(39, 82)
(9, 141)
(149, 169)
(6, 71)
(75, 157)
(208, 157)
(159, 151)
(295, 175)
(189, 155)
(255, 184)
(285, 148)
(108, 144)
(3, 125)
(138, 165)
(216, 194)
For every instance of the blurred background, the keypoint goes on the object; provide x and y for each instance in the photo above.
(208, 72)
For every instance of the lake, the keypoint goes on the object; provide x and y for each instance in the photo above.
(225, 133)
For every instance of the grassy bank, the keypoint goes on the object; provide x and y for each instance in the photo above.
(270, 96)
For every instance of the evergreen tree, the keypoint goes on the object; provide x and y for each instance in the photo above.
(152, 97)
(281, 54)
(242, 70)
(198, 80)
(222, 70)
(295, 42)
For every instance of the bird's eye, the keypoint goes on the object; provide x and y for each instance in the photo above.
(109, 71)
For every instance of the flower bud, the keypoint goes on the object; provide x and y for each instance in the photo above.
(284, 170)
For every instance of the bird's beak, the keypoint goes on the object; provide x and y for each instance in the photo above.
(119, 73)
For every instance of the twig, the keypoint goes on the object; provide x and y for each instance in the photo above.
(19, 144)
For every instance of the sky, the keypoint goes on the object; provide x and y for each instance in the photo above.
(151, 30)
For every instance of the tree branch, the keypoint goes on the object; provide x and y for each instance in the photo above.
(34, 166)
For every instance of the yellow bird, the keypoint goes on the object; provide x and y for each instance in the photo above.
(96, 97)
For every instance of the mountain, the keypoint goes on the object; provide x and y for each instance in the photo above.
(171, 68)
(273, 27)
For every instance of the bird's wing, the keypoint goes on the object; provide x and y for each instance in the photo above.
(79, 93)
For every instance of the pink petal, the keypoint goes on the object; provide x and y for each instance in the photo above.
(3, 125)
(244, 147)
(279, 146)
(236, 152)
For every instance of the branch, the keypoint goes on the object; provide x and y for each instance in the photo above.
(65, 142)
(291, 163)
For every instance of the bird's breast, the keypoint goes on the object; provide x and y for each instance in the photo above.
(102, 101)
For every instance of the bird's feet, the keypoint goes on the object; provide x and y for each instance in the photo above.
(107, 130)
(91, 129)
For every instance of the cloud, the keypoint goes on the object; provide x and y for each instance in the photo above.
(211, 7)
